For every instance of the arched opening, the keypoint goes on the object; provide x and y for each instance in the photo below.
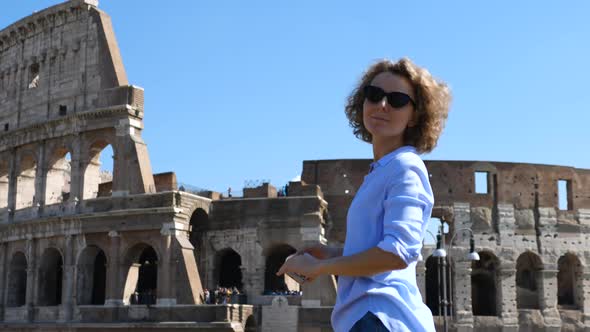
(98, 175)
(434, 228)
(25, 182)
(274, 261)
(91, 279)
(17, 281)
(229, 272)
(569, 282)
(434, 284)
(250, 324)
(528, 267)
(3, 182)
(198, 222)
(50, 278)
(141, 286)
(484, 285)
(59, 171)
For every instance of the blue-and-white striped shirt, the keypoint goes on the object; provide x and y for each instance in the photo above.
(391, 210)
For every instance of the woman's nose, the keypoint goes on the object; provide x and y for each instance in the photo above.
(383, 104)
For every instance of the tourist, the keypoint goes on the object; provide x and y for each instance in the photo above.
(400, 109)
(207, 295)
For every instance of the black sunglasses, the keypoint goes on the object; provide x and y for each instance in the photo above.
(395, 99)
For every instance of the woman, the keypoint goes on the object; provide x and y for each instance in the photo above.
(401, 110)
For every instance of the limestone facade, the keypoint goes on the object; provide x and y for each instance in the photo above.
(76, 252)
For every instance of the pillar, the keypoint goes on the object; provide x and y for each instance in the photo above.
(548, 301)
(132, 171)
(165, 289)
(509, 312)
(69, 277)
(12, 177)
(585, 305)
(3, 278)
(461, 291)
(114, 293)
(32, 274)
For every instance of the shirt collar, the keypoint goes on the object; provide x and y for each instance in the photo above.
(389, 157)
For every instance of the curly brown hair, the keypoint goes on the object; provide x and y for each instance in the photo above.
(432, 104)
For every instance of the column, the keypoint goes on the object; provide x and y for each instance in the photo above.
(586, 297)
(132, 171)
(114, 293)
(460, 297)
(32, 273)
(165, 293)
(506, 222)
(76, 175)
(40, 179)
(509, 312)
(12, 177)
(3, 278)
(253, 278)
(69, 277)
(548, 301)
(461, 291)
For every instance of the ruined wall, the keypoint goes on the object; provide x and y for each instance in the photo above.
(57, 62)
(527, 187)
(255, 228)
(64, 97)
(71, 239)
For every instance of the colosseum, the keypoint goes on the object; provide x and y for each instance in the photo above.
(134, 251)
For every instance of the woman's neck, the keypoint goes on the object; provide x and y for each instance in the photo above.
(383, 146)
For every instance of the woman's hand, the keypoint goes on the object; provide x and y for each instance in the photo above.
(321, 251)
(303, 264)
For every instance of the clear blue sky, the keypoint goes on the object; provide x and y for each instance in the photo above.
(240, 90)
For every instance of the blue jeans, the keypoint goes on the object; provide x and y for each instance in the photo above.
(369, 323)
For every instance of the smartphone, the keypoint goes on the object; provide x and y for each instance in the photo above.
(296, 276)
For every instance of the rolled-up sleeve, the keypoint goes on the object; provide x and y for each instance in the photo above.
(403, 218)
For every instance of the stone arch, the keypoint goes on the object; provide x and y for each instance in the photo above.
(96, 182)
(91, 276)
(485, 283)
(4, 182)
(569, 282)
(25, 181)
(58, 175)
(17, 280)
(228, 265)
(50, 278)
(141, 280)
(445, 215)
(275, 257)
(198, 222)
(251, 325)
(434, 284)
(528, 281)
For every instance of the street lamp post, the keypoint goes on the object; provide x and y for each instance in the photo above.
(444, 304)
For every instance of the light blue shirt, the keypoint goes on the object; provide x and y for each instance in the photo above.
(391, 210)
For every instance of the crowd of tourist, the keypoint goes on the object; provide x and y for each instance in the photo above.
(226, 295)
(221, 295)
(283, 292)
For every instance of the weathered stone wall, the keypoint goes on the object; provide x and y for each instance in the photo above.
(76, 248)
(57, 62)
(254, 228)
(80, 103)
(526, 186)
